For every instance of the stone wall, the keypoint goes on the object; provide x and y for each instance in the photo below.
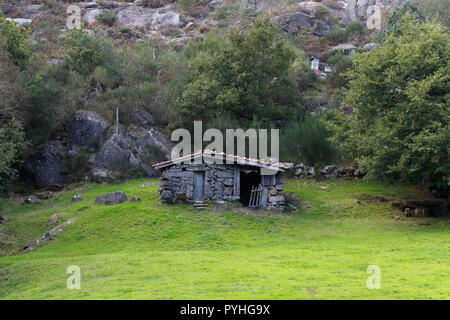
(177, 183)
(274, 196)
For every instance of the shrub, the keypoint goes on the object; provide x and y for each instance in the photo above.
(84, 53)
(337, 35)
(306, 141)
(107, 17)
(355, 27)
(12, 142)
(341, 64)
(17, 43)
(321, 12)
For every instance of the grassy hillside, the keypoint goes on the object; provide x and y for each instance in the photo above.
(152, 251)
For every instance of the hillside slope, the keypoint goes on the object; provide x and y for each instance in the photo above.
(145, 250)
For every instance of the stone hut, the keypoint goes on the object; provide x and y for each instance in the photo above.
(219, 177)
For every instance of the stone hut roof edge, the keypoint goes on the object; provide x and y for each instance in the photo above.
(237, 159)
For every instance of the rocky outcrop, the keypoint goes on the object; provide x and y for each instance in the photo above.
(112, 198)
(26, 23)
(295, 23)
(47, 236)
(302, 171)
(140, 118)
(114, 154)
(137, 148)
(111, 155)
(346, 48)
(45, 166)
(87, 129)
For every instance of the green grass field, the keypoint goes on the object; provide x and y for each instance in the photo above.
(146, 250)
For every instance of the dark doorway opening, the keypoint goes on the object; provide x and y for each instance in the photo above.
(249, 179)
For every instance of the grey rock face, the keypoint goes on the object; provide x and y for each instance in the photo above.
(369, 47)
(21, 22)
(90, 16)
(168, 19)
(140, 118)
(102, 175)
(90, 5)
(87, 129)
(112, 198)
(45, 166)
(137, 148)
(114, 154)
(346, 48)
(294, 23)
(135, 16)
(7, 10)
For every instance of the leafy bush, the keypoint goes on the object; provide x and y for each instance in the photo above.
(306, 141)
(107, 17)
(337, 35)
(16, 41)
(12, 142)
(355, 27)
(400, 126)
(84, 53)
(341, 64)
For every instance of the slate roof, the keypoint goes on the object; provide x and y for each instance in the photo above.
(226, 157)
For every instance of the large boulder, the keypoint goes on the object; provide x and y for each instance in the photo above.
(137, 148)
(136, 16)
(21, 22)
(294, 23)
(169, 19)
(91, 15)
(140, 118)
(87, 129)
(45, 167)
(346, 48)
(112, 198)
(148, 142)
(114, 154)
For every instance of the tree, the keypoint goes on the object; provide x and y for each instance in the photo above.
(16, 42)
(12, 142)
(249, 78)
(400, 94)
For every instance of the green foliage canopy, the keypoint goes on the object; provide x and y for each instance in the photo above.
(400, 92)
(250, 78)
